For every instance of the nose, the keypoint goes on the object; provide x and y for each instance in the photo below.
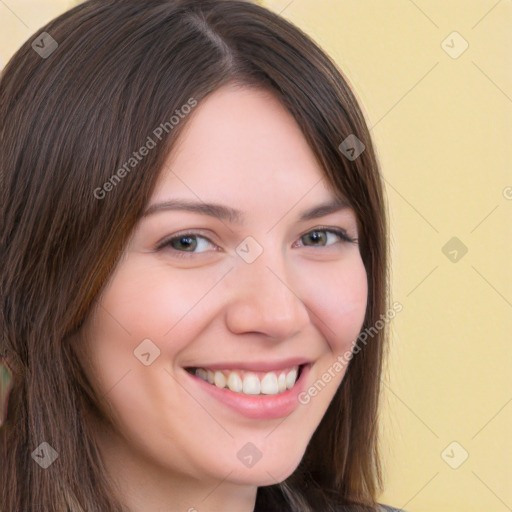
(264, 299)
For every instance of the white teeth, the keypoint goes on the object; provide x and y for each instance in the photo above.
(235, 382)
(291, 377)
(220, 380)
(201, 372)
(281, 382)
(269, 384)
(249, 383)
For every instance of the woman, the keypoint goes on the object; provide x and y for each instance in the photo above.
(193, 242)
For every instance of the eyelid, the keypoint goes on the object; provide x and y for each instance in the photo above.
(191, 232)
(340, 232)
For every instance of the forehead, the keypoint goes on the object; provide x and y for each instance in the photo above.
(240, 143)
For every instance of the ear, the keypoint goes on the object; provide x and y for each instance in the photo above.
(5, 387)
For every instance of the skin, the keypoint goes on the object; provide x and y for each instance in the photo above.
(173, 447)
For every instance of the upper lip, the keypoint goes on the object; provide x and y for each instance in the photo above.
(255, 366)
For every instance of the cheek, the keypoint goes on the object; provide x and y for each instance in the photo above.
(172, 307)
(139, 303)
(337, 296)
(152, 302)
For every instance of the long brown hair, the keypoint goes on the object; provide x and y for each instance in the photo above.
(68, 120)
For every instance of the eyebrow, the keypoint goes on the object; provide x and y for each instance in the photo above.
(234, 216)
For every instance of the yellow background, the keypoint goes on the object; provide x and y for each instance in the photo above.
(443, 130)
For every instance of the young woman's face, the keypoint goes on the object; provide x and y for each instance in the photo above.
(245, 298)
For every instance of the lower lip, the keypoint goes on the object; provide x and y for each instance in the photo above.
(257, 406)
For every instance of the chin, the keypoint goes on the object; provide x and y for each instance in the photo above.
(264, 472)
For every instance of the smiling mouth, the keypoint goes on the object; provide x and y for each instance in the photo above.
(248, 382)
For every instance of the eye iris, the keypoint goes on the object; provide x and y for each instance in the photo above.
(317, 236)
(190, 243)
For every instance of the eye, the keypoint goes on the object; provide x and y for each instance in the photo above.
(320, 237)
(184, 243)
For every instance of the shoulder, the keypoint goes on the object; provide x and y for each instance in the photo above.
(387, 508)
(380, 508)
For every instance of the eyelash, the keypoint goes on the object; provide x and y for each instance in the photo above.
(341, 233)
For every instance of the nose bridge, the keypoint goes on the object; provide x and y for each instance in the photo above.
(264, 298)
